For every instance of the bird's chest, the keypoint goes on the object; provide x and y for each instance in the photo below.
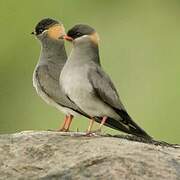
(75, 82)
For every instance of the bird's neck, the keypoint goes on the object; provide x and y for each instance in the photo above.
(52, 52)
(86, 52)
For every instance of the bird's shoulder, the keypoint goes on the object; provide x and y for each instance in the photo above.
(104, 87)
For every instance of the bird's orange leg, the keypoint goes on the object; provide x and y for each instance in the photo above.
(68, 124)
(102, 122)
(90, 127)
(64, 124)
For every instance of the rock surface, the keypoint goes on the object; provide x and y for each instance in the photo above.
(67, 156)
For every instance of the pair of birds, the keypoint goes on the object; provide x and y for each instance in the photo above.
(77, 84)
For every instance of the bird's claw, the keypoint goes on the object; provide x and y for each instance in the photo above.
(94, 133)
(90, 134)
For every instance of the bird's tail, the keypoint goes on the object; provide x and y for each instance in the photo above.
(127, 125)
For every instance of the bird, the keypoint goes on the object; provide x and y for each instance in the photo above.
(86, 83)
(46, 75)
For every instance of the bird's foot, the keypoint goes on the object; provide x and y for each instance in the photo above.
(94, 133)
(59, 130)
(62, 130)
(90, 134)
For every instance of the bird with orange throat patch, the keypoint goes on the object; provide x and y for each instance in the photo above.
(47, 71)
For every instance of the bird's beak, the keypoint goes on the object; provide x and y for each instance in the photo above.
(68, 38)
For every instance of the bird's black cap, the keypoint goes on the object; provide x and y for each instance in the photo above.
(44, 24)
(80, 30)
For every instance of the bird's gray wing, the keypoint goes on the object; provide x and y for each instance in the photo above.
(106, 91)
(48, 81)
(104, 87)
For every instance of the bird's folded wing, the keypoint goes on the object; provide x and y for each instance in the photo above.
(104, 88)
(49, 82)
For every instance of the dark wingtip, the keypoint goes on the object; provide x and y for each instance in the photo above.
(128, 128)
(132, 127)
(127, 125)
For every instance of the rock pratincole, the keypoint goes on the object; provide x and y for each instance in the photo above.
(89, 87)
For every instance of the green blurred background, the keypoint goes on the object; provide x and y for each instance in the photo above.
(139, 48)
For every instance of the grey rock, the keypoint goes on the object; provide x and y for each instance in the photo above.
(72, 156)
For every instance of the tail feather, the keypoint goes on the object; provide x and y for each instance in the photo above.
(126, 124)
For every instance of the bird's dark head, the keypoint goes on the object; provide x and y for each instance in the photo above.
(50, 28)
(81, 31)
